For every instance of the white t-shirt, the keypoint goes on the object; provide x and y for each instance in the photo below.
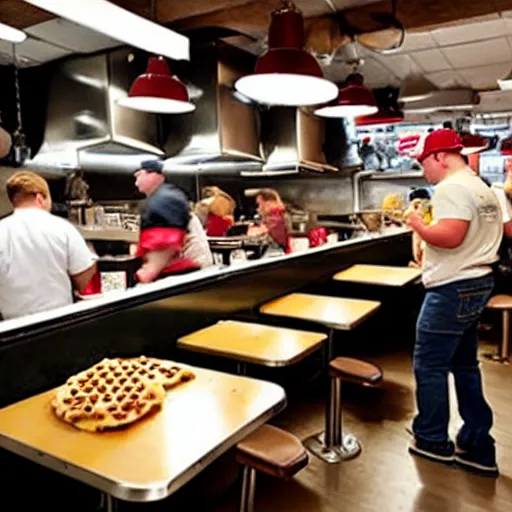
(196, 246)
(464, 196)
(506, 207)
(38, 253)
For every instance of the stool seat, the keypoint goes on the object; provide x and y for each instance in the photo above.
(500, 302)
(272, 451)
(354, 370)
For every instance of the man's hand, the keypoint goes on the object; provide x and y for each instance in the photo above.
(415, 222)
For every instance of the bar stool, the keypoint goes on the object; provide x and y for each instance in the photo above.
(272, 451)
(332, 445)
(502, 303)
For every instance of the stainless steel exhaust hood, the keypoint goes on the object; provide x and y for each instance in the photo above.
(295, 140)
(85, 128)
(225, 126)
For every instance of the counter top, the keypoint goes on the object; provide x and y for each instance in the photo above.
(174, 285)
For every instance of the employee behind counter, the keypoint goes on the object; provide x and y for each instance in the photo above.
(172, 240)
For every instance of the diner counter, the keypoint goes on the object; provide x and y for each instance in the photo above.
(40, 350)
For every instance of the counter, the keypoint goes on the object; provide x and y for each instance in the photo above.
(39, 351)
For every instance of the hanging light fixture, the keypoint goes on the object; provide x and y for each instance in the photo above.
(287, 75)
(158, 91)
(11, 34)
(382, 116)
(354, 100)
(473, 143)
(416, 88)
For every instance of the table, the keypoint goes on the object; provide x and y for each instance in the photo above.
(153, 458)
(378, 275)
(336, 313)
(253, 343)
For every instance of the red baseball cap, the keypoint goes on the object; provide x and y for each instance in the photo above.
(441, 140)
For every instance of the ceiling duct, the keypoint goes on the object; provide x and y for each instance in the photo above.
(448, 99)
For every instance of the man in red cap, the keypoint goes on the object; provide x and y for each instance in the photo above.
(460, 246)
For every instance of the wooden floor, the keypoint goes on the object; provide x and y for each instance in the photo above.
(385, 478)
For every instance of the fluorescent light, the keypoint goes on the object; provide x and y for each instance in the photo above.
(11, 34)
(346, 110)
(120, 24)
(287, 89)
(157, 105)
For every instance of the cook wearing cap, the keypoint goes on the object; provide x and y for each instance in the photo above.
(165, 219)
(460, 246)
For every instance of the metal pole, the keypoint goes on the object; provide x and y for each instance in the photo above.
(111, 503)
(328, 349)
(241, 368)
(505, 342)
(333, 434)
(248, 488)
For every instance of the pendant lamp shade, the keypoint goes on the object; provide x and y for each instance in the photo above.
(506, 146)
(158, 91)
(416, 88)
(287, 75)
(473, 143)
(354, 100)
(382, 116)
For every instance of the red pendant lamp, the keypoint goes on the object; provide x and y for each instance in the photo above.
(287, 75)
(382, 116)
(158, 91)
(473, 143)
(354, 100)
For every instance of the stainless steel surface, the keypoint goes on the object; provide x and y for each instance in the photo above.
(111, 504)
(505, 342)
(85, 127)
(333, 419)
(121, 235)
(152, 491)
(248, 490)
(294, 139)
(349, 448)
(223, 127)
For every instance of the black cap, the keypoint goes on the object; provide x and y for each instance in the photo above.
(152, 166)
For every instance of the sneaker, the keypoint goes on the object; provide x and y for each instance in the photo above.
(478, 461)
(436, 452)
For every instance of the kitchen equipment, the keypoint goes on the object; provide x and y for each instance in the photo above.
(118, 272)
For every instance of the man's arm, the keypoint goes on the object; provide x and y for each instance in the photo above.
(154, 263)
(445, 233)
(82, 279)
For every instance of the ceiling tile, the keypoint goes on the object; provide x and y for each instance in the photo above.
(377, 75)
(72, 36)
(447, 79)
(399, 65)
(431, 60)
(485, 77)
(469, 32)
(417, 41)
(482, 53)
(37, 51)
(312, 8)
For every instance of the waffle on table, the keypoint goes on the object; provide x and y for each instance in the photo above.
(116, 392)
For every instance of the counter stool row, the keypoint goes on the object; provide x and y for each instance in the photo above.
(271, 450)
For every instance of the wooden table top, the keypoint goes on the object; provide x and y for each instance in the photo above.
(152, 458)
(379, 275)
(334, 312)
(253, 343)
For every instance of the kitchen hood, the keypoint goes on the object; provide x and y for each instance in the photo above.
(86, 129)
(295, 140)
(225, 126)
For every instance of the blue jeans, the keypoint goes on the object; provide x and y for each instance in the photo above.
(446, 341)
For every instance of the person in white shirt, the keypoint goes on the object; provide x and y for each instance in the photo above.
(461, 245)
(42, 256)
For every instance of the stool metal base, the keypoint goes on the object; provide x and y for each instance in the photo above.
(497, 358)
(349, 448)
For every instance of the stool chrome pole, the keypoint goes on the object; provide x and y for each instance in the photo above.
(248, 488)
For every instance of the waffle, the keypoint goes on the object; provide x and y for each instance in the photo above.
(116, 392)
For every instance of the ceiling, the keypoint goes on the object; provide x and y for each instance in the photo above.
(474, 52)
